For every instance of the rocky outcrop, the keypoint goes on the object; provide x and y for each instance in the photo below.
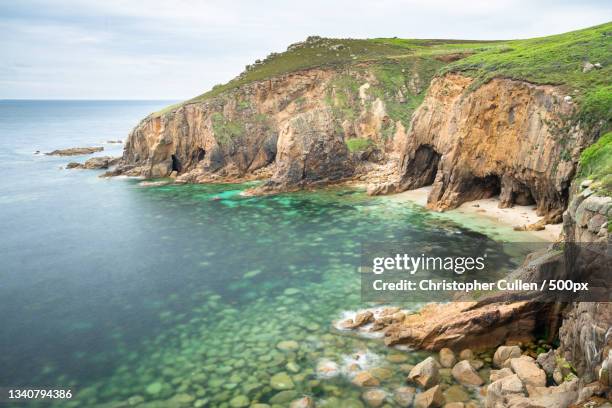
(467, 324)
(75, 151)
(508, 138)
(95, 163)
(292, 130)
(586, 332)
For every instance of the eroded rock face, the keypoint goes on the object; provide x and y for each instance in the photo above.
(584, 336)
(310, 149)
(467, 324)
(291, 129)
(503, 138)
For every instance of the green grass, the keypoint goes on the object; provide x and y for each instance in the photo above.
(338, 53)
(596, 164)
(358, 144)
(226, 130)
(557, 60)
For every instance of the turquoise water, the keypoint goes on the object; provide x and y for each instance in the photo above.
(179, 295)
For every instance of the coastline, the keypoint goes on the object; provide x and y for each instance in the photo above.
(479, 212)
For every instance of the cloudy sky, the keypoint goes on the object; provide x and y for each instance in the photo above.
(175, 49)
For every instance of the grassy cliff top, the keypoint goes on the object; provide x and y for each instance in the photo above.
(334, 53)
(557, 59)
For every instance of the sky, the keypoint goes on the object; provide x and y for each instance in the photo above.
(176, 49)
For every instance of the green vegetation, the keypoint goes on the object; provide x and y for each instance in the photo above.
(557, 59)
(226, 130)
(358, 144)
(338, 53)
(596, 163)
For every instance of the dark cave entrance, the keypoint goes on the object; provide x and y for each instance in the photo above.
(422, 169)
(176, 164)
(522, 196)
(486, 187)
(199, 154)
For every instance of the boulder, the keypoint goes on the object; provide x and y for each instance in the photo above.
(504, 353)
(425, 374)
(431, 398)
(374, 398)
(483, 324)
(499, 374)
(466, 354)
(454, 405)
(476, 364)
(498, 391)
(456, 393)
(547, 362)
(528, 371)
(360, 319)
(365, 379)
(404, 396)
(447, 357)
(464, 373)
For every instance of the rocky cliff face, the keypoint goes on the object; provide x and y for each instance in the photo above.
(586, 332)
(295, 129)
(506, 137)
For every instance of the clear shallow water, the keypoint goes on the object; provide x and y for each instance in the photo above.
(177, 295)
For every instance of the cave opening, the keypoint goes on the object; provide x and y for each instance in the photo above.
(487, 186)
(423, 168)
(200, 153)
(523, 196)
(176, 164)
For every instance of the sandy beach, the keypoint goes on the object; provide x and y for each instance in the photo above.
(489, 209)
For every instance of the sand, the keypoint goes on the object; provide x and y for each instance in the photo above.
(489, 209)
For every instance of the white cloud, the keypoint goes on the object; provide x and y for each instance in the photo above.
(177, 49)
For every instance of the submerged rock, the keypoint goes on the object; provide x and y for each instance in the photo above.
(327, 369)
(288, 345)
(374, 398)
(404, 396)
(239, 401)
(281, 381)
(304, 402)
(432, 398)
(283, 397)
(447, 358)
(365, 379)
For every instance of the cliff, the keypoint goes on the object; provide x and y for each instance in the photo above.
(473, 120)
(504, 138)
